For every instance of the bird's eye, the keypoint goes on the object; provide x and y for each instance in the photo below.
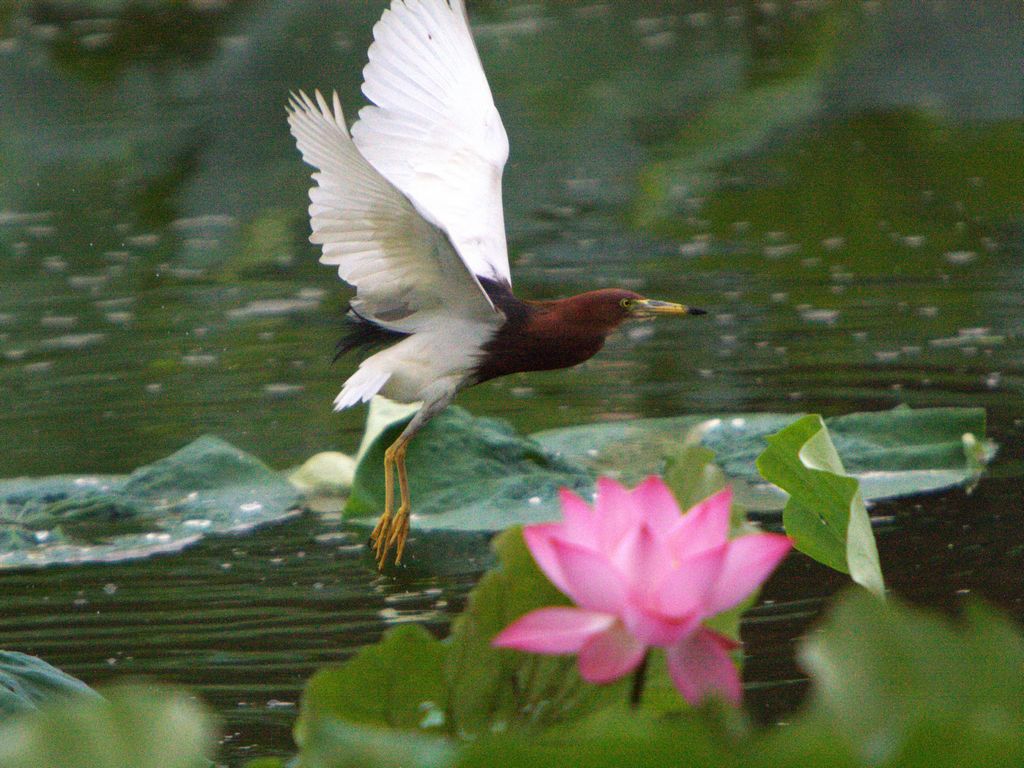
(626, 303)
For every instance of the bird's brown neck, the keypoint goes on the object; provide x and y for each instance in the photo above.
(544, 335)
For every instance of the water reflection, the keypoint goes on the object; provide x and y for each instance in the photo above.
(838, 182)
(790, 191)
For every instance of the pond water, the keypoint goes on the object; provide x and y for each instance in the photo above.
(839, 184)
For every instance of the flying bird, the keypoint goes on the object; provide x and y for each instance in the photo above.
(407, 207)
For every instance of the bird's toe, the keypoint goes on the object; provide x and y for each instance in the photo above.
(399, 533)
(379, 539)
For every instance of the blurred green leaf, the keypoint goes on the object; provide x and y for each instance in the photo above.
(333, 743)
(892, 687)
(266, 762)
(825, 515)
(27, 682)
(461, 686)
(611, 738)
(800, 743)
(692, 475)
(906, 687)
(397, 682)
(502, 689)
(131, 727)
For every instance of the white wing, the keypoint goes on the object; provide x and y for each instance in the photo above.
(434, 132)
(406, 273)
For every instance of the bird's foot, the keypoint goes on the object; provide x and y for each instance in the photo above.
(390, 531)
(379, 538)
(399, 532)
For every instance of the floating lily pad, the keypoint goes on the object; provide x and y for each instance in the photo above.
(208, 487)
(470, 477)
(625, 450)
(325, 473)
(467, 474)
(893, 453)
(27, 682)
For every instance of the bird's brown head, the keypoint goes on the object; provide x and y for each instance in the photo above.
(604, 310)
(542, 335)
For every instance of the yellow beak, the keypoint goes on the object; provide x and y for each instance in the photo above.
(653, 307)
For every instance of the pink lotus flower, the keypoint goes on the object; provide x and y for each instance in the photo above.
(642, 575)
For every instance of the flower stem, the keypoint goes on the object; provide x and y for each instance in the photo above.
(639, 678)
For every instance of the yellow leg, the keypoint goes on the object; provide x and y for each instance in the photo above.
(379, 537)
(393, 527)
(400, 525)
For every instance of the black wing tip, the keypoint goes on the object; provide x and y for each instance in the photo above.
(362, 334)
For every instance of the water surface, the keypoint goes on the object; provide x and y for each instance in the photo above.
(839, 184)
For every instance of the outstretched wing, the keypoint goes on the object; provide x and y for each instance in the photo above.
(434, 131)
(404, 268)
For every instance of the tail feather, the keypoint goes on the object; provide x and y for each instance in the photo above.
(362, 385)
